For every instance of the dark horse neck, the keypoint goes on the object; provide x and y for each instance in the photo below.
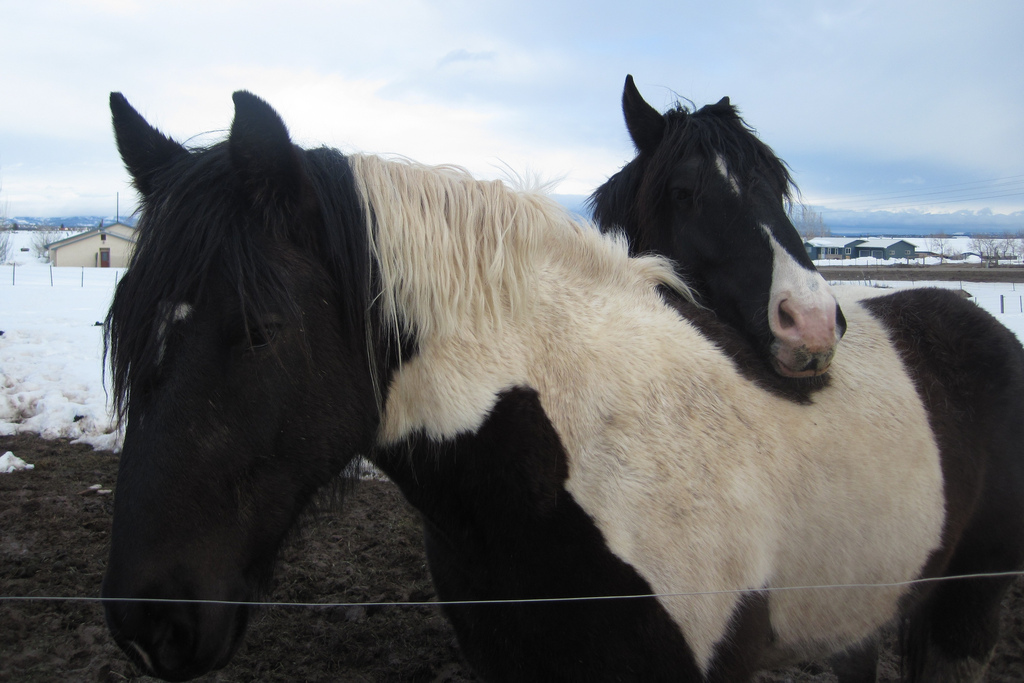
(500, 525)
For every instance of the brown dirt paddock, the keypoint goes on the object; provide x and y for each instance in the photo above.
(54, 539)
(914, 272)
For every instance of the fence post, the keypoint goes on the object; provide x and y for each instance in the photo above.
(83, 277)
(1001, 304)
(51, 276)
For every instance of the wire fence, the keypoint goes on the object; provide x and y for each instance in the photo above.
(1003, 298)
(13, 275)
(107, 278)
(1006, 302)
(525, 601)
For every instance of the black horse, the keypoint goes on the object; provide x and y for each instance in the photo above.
(564, 429)
(704, 190)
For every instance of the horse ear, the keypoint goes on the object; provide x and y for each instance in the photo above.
(646, 125)
(261, 149)
(144, 150)
(722, 107)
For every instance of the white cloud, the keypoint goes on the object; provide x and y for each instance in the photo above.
(832, 86)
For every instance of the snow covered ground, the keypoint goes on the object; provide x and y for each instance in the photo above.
(51, 349)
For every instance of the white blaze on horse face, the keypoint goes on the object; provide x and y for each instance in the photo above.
(169, 315)
(723, 168)
(801, 316)
(182, 312)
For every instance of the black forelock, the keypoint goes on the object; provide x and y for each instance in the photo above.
(201, 224)
(631, 197)
(718, 129)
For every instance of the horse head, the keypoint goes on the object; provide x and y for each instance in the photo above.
(240, 374)
(705, 191)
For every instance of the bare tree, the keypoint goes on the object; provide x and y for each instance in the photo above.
(41, 239)
(3, 204)
(808, 222)
(939, 245)
(5, 232)
(987, 247)
(1008, 247)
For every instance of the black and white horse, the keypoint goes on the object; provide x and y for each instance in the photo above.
(565, 431)
(735, 184)
(706, 191)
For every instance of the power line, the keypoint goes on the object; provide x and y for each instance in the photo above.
(951, 193)
(938, 197)
(963, 184)
(958, 200)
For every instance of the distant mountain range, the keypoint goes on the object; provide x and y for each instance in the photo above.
(839, 222)
(35, 222)
(909, 223)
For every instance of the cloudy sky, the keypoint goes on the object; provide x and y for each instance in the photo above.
(911, 105)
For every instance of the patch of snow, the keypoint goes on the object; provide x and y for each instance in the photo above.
(51, 349)
(9, 462)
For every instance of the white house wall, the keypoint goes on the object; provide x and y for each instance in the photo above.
(86, 252)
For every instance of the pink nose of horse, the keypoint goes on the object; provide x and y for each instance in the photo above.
(806, 336)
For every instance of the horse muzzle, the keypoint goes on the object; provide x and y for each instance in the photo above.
(801, 362)
(176, 641)
(805, 337)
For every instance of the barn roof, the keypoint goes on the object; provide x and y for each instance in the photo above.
(102, 230)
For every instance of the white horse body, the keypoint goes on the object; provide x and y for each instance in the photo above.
(699, 479)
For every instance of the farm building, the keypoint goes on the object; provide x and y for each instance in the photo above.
(885, 249)
(845, 247)
(102, 247)
(830, 247)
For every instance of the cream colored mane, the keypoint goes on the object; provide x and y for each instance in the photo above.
(456, 252)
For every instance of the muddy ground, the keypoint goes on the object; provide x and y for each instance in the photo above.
(53, 543)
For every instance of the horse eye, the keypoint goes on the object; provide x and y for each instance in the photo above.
(261, 336)
(682, 194)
